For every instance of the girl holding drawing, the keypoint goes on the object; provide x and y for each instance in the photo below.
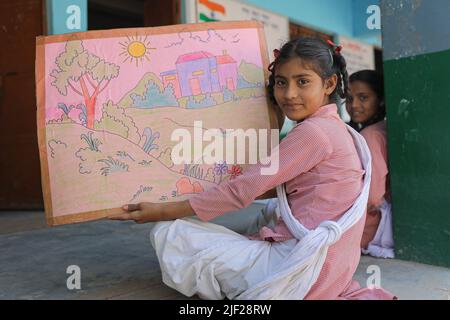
(322, 185)
(367, 109)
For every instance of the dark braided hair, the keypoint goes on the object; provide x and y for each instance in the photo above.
(375, 81)
(325, 59)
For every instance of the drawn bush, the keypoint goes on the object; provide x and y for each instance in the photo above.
(66, 109)
(250, 73)
(155, 97)
(182, 102)
(63, 119)
(139, 89)
(166, 158)
(112, 165)
(124, 155)
(248, 93)
(242, 83)
(228, 95)
(184, 186)
(83, 114)
(56, 147)
(150, 137)
(218, 97)
(88, 159)
(207, 101)
(145, 163)
(115, 120)
(93, 143)
(210, 176)
(193, 170)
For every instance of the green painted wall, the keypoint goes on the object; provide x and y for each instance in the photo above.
(418, 100)
(417, 83)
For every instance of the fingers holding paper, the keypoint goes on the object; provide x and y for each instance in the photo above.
(140, 213)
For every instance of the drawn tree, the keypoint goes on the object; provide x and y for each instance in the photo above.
(84, 73)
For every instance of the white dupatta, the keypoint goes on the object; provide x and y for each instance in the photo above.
(299, 271)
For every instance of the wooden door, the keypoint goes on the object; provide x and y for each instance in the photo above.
(20, 187)
(162, 13)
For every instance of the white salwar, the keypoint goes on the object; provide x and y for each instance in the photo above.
(382, 245)
(213, 262)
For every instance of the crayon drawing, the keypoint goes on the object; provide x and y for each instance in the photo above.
(108, 102)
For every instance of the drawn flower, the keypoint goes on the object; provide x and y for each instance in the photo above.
(235, 171)
(220, 169)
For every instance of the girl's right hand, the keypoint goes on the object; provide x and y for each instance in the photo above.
(140, 213)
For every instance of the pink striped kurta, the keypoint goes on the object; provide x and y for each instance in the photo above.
(323, 176)
(375, 136)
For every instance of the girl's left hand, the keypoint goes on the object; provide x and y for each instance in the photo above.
(141, 213)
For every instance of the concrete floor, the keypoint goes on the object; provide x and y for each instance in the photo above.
(118, 262)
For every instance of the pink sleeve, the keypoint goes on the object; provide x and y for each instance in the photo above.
(377, 145)
(300, 151)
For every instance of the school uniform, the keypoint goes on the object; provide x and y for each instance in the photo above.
(377, 237)
(323, 177)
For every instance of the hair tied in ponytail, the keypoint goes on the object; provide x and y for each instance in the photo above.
(276, 54)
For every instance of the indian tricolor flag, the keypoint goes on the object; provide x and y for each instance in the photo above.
(210, 11)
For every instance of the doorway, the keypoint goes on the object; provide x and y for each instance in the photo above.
(22, 21)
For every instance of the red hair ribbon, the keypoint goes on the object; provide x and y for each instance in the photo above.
(337, 49)
(276, 53)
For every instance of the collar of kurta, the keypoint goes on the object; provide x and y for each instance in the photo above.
(326, 110)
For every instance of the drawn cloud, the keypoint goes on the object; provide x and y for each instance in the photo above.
(187, 37)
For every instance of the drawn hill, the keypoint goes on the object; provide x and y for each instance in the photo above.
(126, 173)
(140, 89)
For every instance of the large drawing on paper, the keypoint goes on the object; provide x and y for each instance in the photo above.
(109, 101)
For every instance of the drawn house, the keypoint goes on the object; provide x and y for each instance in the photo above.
(171, 77)
(200, 73)
(197, 73)
(227, 70)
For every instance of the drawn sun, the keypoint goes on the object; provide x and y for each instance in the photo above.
(135, 49)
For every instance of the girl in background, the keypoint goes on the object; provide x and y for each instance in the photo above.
(366, 108)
